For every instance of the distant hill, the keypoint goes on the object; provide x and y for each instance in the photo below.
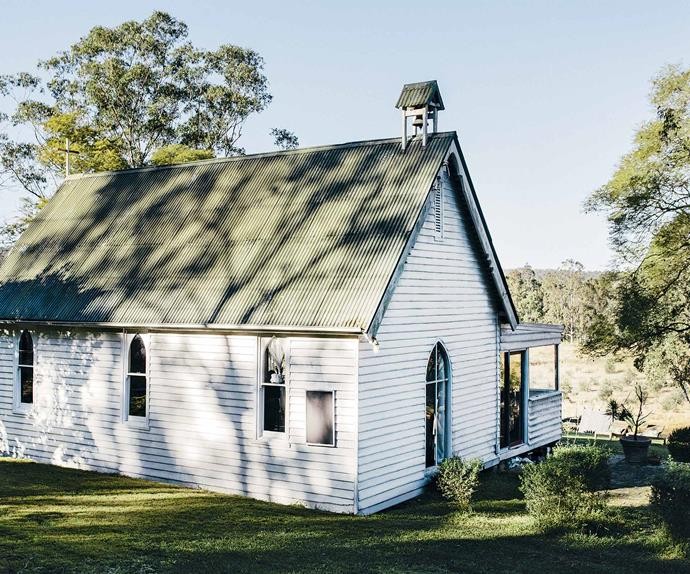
(541, 272)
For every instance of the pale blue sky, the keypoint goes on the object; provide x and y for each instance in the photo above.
(545, 96)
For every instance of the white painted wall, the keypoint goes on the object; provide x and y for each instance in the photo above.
(202, 431)
(443, 294)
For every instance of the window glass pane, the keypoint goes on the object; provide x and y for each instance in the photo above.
(320, 417)
(274, 362)
(504, 402)
(26, 349)
(542, 367)
(137, 396)
(515, 399)
(274, 409)
(26, 379)
(430, 420)
(441, 367)
(431, 366)
(137, 356)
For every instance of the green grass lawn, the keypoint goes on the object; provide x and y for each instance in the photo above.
(60, 520)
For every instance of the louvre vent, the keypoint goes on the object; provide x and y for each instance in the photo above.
(438, 211)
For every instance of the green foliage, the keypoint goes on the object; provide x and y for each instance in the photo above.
(132, 95)
(670, 497)
(679, 445)
(284, 139)
(564, 298)
(562, 492)
(11, 231)
(142, 85)
(458, 479)
(636, 417)
(527, 294)
(178, 153)
(667, 363)
(647, 202)
(588, 461)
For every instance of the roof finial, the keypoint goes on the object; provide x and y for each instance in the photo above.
(67, 154)
(423, 101)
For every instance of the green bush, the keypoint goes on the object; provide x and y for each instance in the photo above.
(561, 492)
(679, 444)
(458, 479)
(589, 462)
(671, 498)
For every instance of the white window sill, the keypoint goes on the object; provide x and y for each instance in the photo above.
(273, 437)
(137, 422)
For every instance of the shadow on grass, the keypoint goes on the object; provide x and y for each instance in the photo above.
(96, 523)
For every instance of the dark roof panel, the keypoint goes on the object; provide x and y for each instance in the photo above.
(419, 95)
(305, 238)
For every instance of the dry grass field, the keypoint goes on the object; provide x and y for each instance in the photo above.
(587, 381)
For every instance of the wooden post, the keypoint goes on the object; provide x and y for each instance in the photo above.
(555, 362)
(435, 120)
(425, 119)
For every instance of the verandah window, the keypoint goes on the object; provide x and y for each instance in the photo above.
(512, 394)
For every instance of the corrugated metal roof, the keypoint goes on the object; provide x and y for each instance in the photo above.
(305, 238)
(420, 94)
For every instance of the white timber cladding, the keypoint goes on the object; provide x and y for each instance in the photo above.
(203, 392)
(442, 295)
(544, 417)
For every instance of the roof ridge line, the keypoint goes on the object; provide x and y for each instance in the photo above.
(219, 160)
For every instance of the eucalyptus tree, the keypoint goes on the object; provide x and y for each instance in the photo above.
(127, 96)
(647, 202)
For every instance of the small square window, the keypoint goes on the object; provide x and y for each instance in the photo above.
(321, 418)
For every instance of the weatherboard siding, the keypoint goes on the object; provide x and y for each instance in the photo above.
(202, 424)
(442, 295)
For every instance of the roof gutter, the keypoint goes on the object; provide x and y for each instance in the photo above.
(191, 327)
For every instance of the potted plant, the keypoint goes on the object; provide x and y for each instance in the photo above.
(635, 447)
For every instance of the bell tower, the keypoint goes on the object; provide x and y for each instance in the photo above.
(422, 102)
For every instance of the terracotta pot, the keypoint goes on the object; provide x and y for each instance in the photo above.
(635, 449)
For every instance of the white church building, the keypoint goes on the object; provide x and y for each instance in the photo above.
(318, 326)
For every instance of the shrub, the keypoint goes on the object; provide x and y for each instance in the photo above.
(671, 498)
(679, 444)
(589, 462)
(561, 492)
(458, 479)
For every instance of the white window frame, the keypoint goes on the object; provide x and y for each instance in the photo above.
(127, 338)
(17, 405)
(306, 417)
(267, 434)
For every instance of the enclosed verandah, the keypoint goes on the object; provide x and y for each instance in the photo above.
(529, 394)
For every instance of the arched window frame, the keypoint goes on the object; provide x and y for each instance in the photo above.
(21, 364)
(447, 381)
(128, 338)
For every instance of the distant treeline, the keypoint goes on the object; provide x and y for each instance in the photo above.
(568, 295)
